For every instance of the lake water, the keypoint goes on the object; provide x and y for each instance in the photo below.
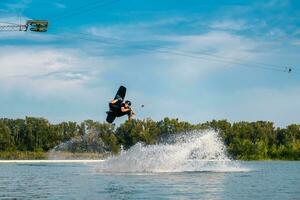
(184, 166)
(262, 180)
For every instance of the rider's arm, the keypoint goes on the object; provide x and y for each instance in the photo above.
(123, 109)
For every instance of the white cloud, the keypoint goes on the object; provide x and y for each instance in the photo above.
(200, 55)
(146, 29)
(187, 57)
(190, 58)
(44, 71)
(28, 36)
(229, 25)
(276, 33)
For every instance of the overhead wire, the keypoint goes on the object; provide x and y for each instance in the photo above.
(168, 50)
(269, 65)
(10, 23)
(93, 5)
(83, 9)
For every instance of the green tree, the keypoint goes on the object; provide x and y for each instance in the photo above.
(6, 140)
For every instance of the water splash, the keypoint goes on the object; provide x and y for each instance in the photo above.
(88, 146)
(186, 152)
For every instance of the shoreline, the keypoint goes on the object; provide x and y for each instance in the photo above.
(27, 155)
(68, 157)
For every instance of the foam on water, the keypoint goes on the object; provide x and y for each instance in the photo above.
(186, 152)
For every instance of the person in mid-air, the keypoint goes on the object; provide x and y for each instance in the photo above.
(120, 109)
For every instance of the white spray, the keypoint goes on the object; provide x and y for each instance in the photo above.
(194, 151)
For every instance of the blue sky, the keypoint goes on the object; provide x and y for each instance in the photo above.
(192, 60)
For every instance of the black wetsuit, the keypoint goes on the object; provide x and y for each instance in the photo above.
(116, 109)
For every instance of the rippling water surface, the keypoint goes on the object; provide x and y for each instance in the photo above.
(262, 180)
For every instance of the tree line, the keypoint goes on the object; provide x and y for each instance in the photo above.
(244, 140)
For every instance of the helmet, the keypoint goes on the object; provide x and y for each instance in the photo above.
(128, 102)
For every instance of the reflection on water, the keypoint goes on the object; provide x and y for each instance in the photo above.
(265, 180)
(169, 185)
